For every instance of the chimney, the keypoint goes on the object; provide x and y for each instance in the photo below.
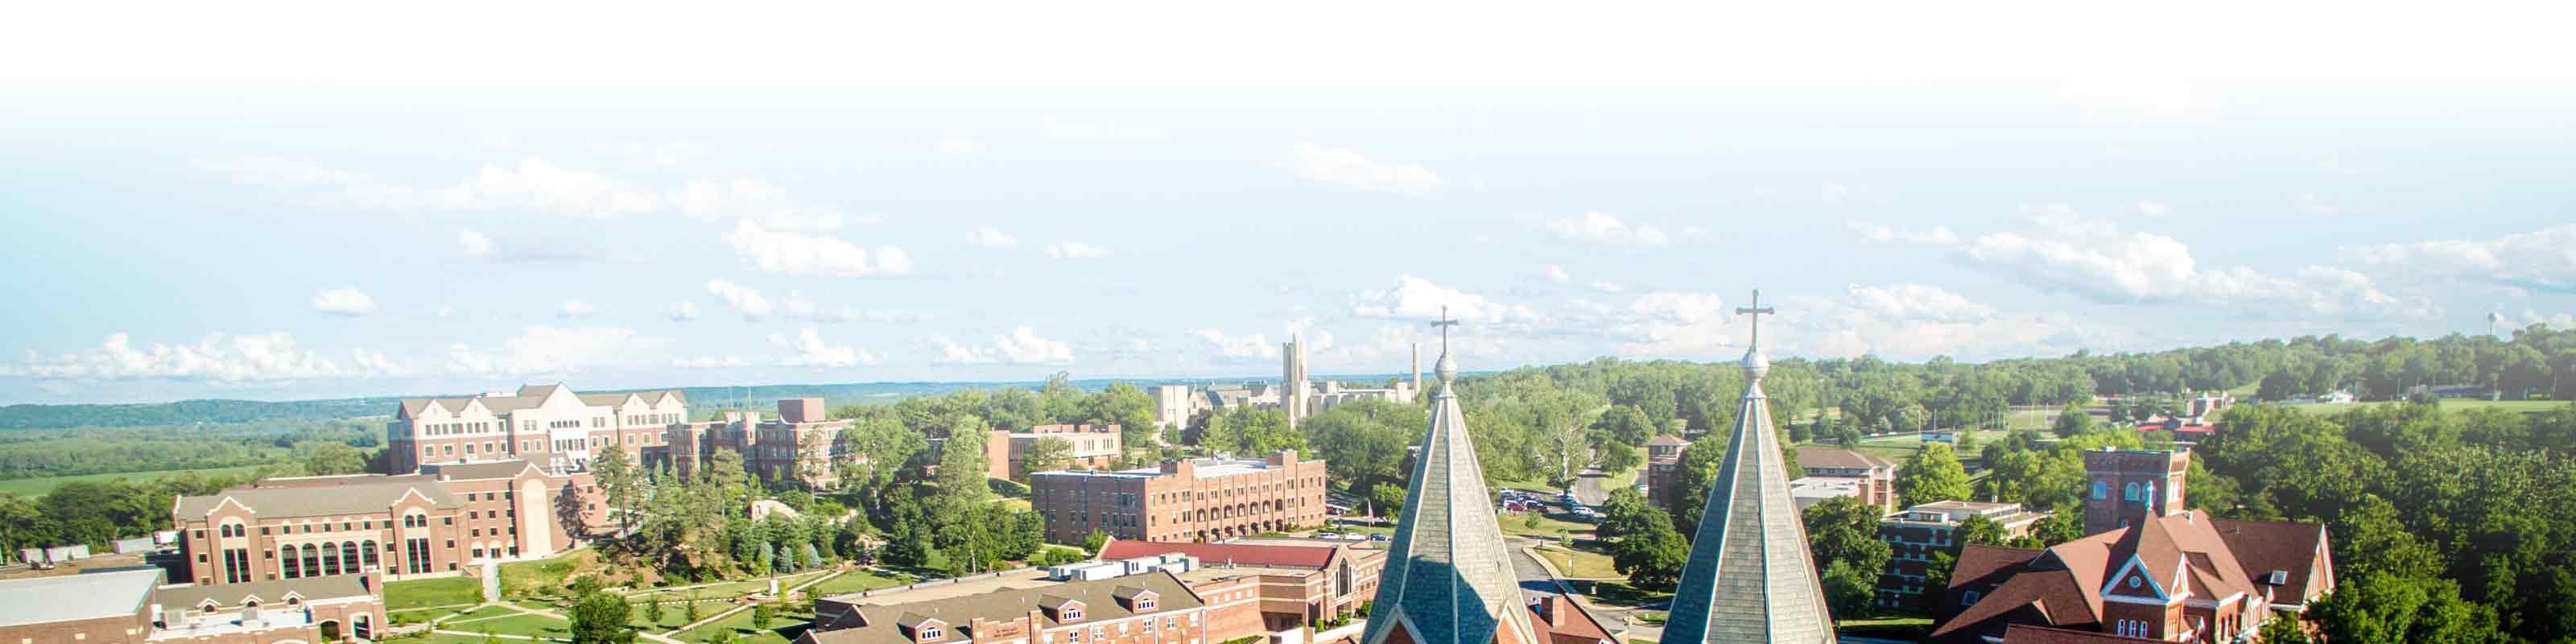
(801, 410)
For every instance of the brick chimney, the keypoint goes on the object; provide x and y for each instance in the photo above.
(801, 410)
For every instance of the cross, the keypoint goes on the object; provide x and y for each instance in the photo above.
(1756, 312)
(1444, 323)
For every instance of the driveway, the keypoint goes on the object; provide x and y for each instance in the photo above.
(1588, 487)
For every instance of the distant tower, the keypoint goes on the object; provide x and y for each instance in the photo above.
(1417, 370)
(2125, 486)
(1294, 388)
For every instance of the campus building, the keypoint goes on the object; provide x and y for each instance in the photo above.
(803, 443)
(1919, 535)
(1874, 477)
(1296, 585)
(1196, 499)
(1090, 447)
(1151, 608)
(2162, 573)
(1663, 465)
(133, 607)
(429, 524)
(545, 424)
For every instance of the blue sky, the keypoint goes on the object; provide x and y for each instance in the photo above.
(275, 239)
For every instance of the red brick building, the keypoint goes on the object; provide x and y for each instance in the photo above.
(133, 607)
(1295, 585)
(411, 526)
(545, 424)
(1663, 459)
(1876, 477)
(1150, 608)
(1200, 499)
(1090, 447)
(1919, 535)
(2165, 573)
(803, 442)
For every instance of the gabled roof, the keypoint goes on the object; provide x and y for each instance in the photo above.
(1750, 576)
(355, 498)
(1448, 577)
(1218, 554)
(478, 470)
(961, 612)
(271, 591)
(2266, 546)
(1666, 439)
(2027, 634)
(2187, 553)
(1838, 458)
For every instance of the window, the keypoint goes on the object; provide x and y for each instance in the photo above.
(1968, 598)
(2132, 492)
(1073, 612)
(2101, 490)
(930, 633)
(1144, 603)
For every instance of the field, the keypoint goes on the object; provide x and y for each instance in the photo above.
(722, 590)
(1580, 564)
(851, 582)
(424, 593)
(788, 624)
(40, 486)
(2448, 404)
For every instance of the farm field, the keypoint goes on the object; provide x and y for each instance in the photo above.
(41, 485)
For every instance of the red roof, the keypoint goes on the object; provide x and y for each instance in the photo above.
(1217, 554)
(2063, 585)
(2027, 634)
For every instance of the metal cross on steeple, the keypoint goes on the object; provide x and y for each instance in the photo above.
(1444, 323)
(1756, 311)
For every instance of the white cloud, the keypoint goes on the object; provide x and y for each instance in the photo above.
(532, 184)
(2061, 251)
(750, 302)
(1239, 346)
(1670, 323)
(474, 244)
(1336, 165)
(2559, 322)
(1021, 346)
(554, 350)
(1603, 229)
(575, 309)
(2539, 260)
(2154, 210)
(683, 311)
(753, 200)
(954, 146)
(813, 351)
(1875, 233)
(344, 302)
(990, 237)
(217, 358)
(803, 254)
(710, 362)
(1420, 299)
(1557, 274)
(444, 311)
(1607, 286)
(1695, 231)
(1069, 249)
(1915, 321)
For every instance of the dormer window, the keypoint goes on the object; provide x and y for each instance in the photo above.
(1072, 612)
(930, 633)
(1144, 603)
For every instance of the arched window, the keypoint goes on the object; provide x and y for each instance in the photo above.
(330, 560)
(349, 556)
(287, 554)
(369, 548)
(2101, 490)
(2133, 492)
(312, 560)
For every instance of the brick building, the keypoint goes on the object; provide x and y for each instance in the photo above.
(1199, 499)
(1921, 533)
(802, 442)
(544, 424)
(1663, 459)
(1876, 477)
(429, 524)
(1151, 608)
(1296, 584)
(2163, 573)
(133, 607)
(1094, 447)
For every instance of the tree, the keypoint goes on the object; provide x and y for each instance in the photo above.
(1047, 455)
(689, 611)
(1936, 578)
(1652, 559)
(619, 484)
(722, 636)
(653, 610)
(2282, 629)
(1845, 530)
(1931, 474)
(1847, 590)
(1626, 424)
(762, 614)
(1388, 499)
(1979, 530)
(1095, 541)
(2071, 421)
(2390, 609)
(334, 458)
(601, 618)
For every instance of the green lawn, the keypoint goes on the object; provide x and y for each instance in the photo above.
(529, 625)
(2448, 404)
(39, 486)
(422, 593)
(443, 638)
(784, 628)
(1619, 593)
(726, 590)
(1518, 523)
(483, 612)
(525, 578)
(1581, 563)
(851, 582)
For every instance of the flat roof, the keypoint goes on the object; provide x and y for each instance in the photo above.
(63, 598)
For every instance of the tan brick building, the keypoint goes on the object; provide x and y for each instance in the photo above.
(803, 442)
(1919, 535)
(1876, 477)
(1200, 499)
(1150, 608)
(411, 526)
(545, 424)
(133, 607)
(1090, 447)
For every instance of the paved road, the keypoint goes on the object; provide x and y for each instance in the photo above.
(1535, 582)
(1588, 487)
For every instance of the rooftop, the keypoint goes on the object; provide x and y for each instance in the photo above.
(353, 498)
(65, 598)
(879, 622)
(1309, 557)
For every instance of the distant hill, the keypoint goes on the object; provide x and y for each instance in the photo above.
(762, 397)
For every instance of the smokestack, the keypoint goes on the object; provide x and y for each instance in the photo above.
(1417, 369)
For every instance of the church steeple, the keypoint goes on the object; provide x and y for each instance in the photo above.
(1750, 577)
(1448, 577)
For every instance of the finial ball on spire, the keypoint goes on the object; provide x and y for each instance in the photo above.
(1755, 364)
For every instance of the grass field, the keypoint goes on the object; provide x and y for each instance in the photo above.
(1580, 563)
(443, 638)
(851, 582)
(525, 578)
(2448, 404)
(786, 626)
(1518, 523)
(422, 593)
(726, 590)
(529, 625)
(42, 485)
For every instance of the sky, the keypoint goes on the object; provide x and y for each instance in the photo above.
(325, 201)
